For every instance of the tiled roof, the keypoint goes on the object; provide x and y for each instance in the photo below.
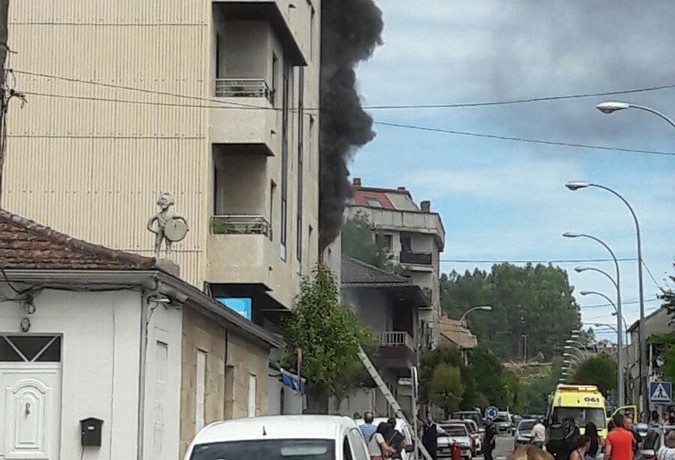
(355, 272)
(25, 244)
(370, 197)
(454, 331)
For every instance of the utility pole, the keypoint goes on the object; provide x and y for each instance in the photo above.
(4, 51)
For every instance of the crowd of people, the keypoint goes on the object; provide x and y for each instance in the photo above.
(622, 443)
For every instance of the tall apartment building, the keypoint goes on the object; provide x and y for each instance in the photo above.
(212, 101)
(414, 238)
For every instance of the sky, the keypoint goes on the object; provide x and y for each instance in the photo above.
(503, 200)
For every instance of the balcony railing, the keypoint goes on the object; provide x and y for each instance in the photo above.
(396, 339)
(419, 258)
(243, 87)
(240, 225)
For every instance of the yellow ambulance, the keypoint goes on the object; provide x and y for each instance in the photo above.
(584, 403)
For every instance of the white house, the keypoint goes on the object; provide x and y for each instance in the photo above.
(105, 355)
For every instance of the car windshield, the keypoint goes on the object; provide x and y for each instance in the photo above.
(454, 430)
(581, 415)
(272, 449)
(526, 425)
(501, 418)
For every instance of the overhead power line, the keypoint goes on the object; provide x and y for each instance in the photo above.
(229, 105)
(517, 101)
(519, 139)
(525, 261)
(368, 107)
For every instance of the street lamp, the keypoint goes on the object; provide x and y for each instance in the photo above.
(619, 348)
(480, 307)
(617, 284)
(611, 107)
(576, 185)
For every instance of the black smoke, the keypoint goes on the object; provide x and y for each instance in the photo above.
(350, 31)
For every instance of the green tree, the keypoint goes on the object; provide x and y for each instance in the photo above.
(490, 377)
(446, 388)
(597, 370)
(329, 335)
(358, 241)
(534, 300)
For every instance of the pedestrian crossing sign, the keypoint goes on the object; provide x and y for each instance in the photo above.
(660, 392)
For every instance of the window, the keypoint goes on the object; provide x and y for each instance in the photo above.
(305, 449)
(252, 395)
(406, 244)
(301, 143)
(30, 348)
(384, 241)
(275, 69)
(218, 73)
(285, 115)
(200, 390)
(374, 203)
(273, 192)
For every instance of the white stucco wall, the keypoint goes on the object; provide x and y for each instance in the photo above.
(100, 366)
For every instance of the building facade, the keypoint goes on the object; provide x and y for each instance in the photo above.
(213, 101)
(389, 306)
(659, 322)
(414, 238)
(109, 340)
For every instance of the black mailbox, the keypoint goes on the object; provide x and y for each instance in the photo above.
(91, 431)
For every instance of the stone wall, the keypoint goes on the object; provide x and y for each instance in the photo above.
(231, 359)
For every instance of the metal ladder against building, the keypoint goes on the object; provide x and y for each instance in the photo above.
(372, 371)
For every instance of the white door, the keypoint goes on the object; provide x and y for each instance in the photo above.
(30, 398)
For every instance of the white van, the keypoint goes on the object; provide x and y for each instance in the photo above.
(283, 437)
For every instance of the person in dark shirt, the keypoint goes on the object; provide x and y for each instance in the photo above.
(430, 436)
(397, 441)
(592, 432)
(490, 439)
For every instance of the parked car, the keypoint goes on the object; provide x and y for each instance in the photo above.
(474, 433)
(319, 437)
(474, 415)
(504, 423)
(453, 433)
(524, 431)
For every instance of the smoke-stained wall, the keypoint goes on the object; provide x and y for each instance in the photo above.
(351, 30)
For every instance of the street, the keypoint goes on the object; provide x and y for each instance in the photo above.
(503, 449)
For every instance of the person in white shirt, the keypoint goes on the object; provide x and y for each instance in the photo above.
(538, 434)
(667, 452)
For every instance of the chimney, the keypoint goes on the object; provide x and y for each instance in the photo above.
(357, 182)
(401, 189)
(426, 206)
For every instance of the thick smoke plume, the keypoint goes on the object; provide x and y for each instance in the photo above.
(350, 30)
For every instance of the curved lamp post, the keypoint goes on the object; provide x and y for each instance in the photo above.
(611, 107)
(617, 284)
(480, 307)
(619, 351)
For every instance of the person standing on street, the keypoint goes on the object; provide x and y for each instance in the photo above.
(367, 429)
(490, 440)
(538, 434)
(430, 436)
(397, 440)
(667, 452)
(619, 445)
(591, 430)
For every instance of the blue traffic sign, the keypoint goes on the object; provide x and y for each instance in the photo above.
(491, 412)
(660, 392)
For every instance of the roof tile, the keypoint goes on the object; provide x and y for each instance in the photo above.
(25, 244)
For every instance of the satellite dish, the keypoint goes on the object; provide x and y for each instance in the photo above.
(175, 229)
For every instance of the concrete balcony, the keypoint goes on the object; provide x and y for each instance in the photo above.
(239, 250)
(246, 121)
(397, 351)
(416, 258)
